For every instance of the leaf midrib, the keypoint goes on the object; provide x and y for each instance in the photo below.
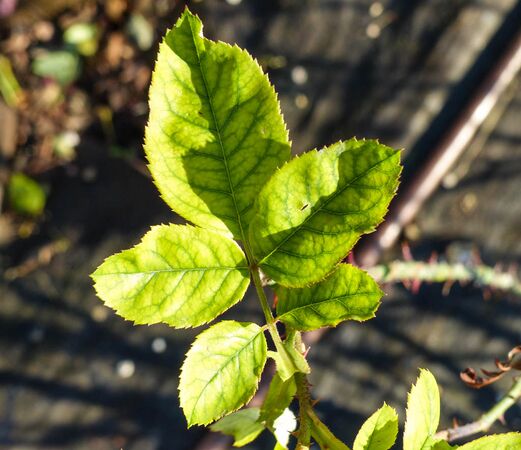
(336, 299)
(324, 204)
(218, 132)
(175, 270)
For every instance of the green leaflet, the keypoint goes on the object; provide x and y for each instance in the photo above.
(379, 431)
(221, 371)
(507, 441)
(347, 294)
(180, 275)
(279, 396)
(423, 413)
(215, 133)
(243, 425)
(313, 210)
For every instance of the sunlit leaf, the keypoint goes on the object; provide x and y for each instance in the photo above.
(221, 371)
(347, 294)
(313, 210)
(215, 133)
(178, 274)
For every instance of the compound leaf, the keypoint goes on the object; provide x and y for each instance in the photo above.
(221, 371)
(313, 210)
(178, 274)
(507, 441)
(423, 413)
(215, 133)
(347, 294)
(243, 425)
(379, 431)
(283, 426)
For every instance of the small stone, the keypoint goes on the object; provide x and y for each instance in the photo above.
(301, 101)
(158, 345)
(373, 31)
(125, 368)
(376, 9)
(299, 75)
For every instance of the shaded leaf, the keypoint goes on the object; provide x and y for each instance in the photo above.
(423, 413)
(313, 210)
(379, 431)
(215, 133)
(347, 294)
(507, 441)
(221, 371)
(178, 274)
(243, 425)
(279, 396)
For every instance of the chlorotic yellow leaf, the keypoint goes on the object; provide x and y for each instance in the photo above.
(221, 371)
(215, 133)
(379, 431)
(180, 275)
(423, 413)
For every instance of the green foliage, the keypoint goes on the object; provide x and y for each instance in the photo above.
(423, 413)
(178, 274)
(347, 294)
(508, 441)
(379, 431)
(25, 195)
(243, 425)
(221, 371)
(311, 212)
(215, 133)
(218, 149)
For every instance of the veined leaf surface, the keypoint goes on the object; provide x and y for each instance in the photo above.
(379, 431)
(221, 371)
(180, 275)
(347, 294)
(423, 413)
(313, 210)
(215, 133)
(507, 441)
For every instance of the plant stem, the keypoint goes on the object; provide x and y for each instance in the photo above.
(486, 420)
(480, 274)
(304, 399)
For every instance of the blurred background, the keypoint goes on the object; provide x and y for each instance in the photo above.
(435, 77)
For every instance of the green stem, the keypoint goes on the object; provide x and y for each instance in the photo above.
(484, 423)
(304, 399)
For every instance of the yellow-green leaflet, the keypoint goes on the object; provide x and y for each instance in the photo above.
(178, 274)
(379, 431)
(507, 441)
(313, 210)
(215, 133)
(423, 413)
(221, 371)
(348, 293)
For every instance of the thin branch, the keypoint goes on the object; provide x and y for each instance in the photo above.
(484, 423)
(480, 274)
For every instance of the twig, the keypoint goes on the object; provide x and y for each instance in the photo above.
(486, 420)
(482, 275)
